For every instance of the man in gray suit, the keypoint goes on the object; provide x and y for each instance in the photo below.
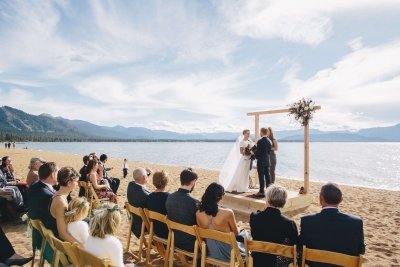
(182, 206)
(137, 194)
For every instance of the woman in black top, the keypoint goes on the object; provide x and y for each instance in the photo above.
(156, 201)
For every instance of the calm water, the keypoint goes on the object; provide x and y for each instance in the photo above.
(366, 164)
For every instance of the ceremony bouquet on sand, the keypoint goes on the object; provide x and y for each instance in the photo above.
(302, 111)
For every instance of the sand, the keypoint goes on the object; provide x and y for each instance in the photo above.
(379, 209)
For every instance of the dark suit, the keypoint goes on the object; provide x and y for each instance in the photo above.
(181, 208)
(39, 197)
(270, 226)
(137, 196)
(114, 182)
(262, 155)
(83, 178)
(333, 231)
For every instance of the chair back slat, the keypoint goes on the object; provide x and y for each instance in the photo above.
(188, 229)
(68, 249)
(87, 259)
(331, 257)
(215, 235)
(138, 212)
(155, 216)
(271, 248)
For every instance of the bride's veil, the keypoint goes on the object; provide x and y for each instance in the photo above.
(230, 165)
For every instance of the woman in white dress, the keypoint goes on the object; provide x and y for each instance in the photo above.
(234, 175)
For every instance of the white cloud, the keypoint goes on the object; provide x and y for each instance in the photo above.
(307, 22)
(34, 35)
(356, 43)
(354, 87)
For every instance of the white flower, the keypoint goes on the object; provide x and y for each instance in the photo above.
(306, 108)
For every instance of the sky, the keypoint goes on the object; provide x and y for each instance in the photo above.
(200, 66)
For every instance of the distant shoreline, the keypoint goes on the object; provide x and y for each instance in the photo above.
(194, 141)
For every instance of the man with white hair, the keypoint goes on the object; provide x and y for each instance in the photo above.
(137, 194)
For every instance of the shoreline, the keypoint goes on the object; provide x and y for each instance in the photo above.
(377, 207)
(130, 161)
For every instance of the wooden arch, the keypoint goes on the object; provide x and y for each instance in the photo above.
(306, 140)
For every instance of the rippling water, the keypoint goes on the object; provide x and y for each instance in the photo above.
(366, 164)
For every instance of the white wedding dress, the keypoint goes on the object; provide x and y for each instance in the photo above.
(234, 175)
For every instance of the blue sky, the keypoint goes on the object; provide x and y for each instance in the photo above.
(193, 66)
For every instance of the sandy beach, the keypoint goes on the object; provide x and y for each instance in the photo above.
(379, 209)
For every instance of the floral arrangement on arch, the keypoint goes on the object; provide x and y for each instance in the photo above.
(302, 111)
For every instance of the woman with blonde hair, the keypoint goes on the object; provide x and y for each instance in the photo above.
(102, 241)
(272, 153)
(78, 209)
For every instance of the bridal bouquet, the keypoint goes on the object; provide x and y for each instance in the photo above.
(250, 151)
(302, 110)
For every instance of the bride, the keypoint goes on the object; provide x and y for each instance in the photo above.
(234, 175)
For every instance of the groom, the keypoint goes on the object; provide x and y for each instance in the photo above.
(262, 155)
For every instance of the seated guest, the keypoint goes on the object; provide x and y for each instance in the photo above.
(8, 170)
(102, 241)
(114, 182)
(78, 210)
(40, 195)
(182, 207)
(270, 225)
(10, 192)
(34, 166)
(331, 229)
(82, 172)
(67, 178)
(156, 202)
(210, 216)
(137, 194)
(7, 253)
(100, 185)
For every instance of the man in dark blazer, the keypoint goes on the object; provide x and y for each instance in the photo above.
(39, 196)
(113, 182)
(331, 229)
(262, 155)
(270, 225)
(137, 194)
(182, 207)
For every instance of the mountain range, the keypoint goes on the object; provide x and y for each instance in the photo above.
(17, 124)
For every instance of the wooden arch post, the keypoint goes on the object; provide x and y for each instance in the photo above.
(306, 140)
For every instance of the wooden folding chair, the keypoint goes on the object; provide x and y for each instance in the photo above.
(145, 225)
(67, 249)
(159, 242)
(331, 257)
(226, 238)
(188, 229)
(37, 224)
(86, 188)
(86, 259)
(269, 248)
(58, 256)
(94, 201)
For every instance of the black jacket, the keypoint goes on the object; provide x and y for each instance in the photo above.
(182, 208)
(271, 226)
(137, 195)
(333, 231)
(262, 154)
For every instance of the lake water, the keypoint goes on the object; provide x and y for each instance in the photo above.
(367, 164)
